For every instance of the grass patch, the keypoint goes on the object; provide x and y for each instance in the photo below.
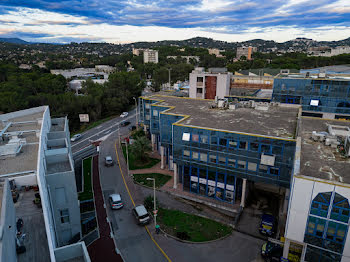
(136, 164)
(191, 227)
(160, 179)
(87, 193)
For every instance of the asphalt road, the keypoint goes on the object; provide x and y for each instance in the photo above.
(103, 130)
(132, 240)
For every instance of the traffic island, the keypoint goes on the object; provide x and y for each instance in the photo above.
(191, 228)
(160, 179)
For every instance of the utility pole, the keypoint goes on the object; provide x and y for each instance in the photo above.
(127, 156)
(154, 201)
(169, 70)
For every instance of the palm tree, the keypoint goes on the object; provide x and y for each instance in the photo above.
(140, 148)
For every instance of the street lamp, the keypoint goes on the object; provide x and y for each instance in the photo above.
(137, 123)
(154, 200)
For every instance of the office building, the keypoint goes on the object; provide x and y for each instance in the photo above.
(318, 215)
(36, 153)
(220, 150)
(209, 84)
(320, 95)
(150, 56)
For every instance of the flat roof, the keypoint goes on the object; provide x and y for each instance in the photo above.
(317, 159)
(23, 131)
(335, 77)
(278, 121)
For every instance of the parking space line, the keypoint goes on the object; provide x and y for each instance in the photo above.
(132, 200)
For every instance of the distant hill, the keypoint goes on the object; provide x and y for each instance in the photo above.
(14, 41)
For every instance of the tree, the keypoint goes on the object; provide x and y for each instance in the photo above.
(140, 148)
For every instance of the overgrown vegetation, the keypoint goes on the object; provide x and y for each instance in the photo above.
(135, 163)
(190, 227)
(87, 176)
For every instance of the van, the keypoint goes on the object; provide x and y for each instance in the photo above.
(141, 215)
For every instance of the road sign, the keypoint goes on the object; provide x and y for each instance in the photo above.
(155, 212)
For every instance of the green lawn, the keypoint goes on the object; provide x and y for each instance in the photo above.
(160, 179)
(87, 193)
(135, 164)
(190, 227)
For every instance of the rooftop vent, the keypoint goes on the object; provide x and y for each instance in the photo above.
(339, 131)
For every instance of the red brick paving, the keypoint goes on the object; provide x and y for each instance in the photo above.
(103, 249)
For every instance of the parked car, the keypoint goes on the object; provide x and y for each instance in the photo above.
(125, 123)
(141, 215)
(271, 251)
(109, 161)
(124, 114)
(76, 137)
(115, 201)
(267, 224)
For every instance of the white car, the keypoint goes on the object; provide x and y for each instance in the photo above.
(124, 114)
(75, 137)
(115, 201)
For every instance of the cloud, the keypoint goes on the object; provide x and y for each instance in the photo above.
(92, 17)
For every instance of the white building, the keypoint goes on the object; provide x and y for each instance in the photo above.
(35, 151)
(318, 215)
(150, 56)
(208, 85)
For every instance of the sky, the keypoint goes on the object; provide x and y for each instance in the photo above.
(125, 21)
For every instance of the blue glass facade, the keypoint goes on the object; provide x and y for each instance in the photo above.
(327, 227)
(214, 162)
(332, 95)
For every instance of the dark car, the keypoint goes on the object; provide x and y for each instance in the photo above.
(267, 224)
(125, 123)
(271, 251)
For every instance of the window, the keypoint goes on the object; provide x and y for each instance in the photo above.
(274, 171)
(199, 90)
(232, 143)
(64, 216)
(147, 117)
(186, 136)
(214, 140)
(195, 155)
(222, 160)
(204, 139)
(200, 79)
(155, 113)
(254, 146)
(231, 162)
(203, 157)
(242, 145)
(186, 153)
(252, 166)
(340, 209)
(263, 169)
(265, 148)
(277, 150)
(320, 204)
(223, 142)
(212, 159)
(241, 164)
(195, 138)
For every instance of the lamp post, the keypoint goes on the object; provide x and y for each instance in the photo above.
(137, 122)
(127, 156)
(154, 200)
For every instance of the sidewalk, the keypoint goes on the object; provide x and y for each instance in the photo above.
(102, 249)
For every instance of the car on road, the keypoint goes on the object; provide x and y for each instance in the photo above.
(76, 137)
(141, 215)
(115, 200)
(271, 251)
(109, 161)
(125, 123)
(267, 224)
(124, 114)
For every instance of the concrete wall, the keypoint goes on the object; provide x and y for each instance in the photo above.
(7, 226)
(25, 180)
(223, 85)
(72, 251)
(23, 112)
(65, 181)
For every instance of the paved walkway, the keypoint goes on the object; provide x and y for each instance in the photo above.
(102, 249)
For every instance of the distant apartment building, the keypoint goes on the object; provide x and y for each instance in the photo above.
(246, 51)
(150, 56)
(215, 51)
(188, 58)
(35, 152)
(136, 51)
(209, 84)
(320, 95)
(328, 52)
